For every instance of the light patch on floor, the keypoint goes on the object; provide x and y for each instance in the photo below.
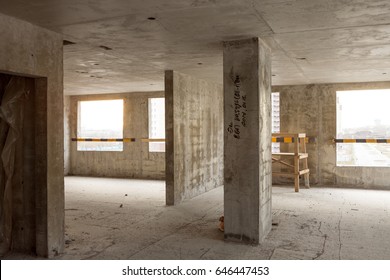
(128, 219)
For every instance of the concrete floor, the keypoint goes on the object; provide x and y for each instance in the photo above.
(128, 219)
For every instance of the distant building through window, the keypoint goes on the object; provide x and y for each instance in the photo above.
(275, 100)
(100, 119)
(363, 114)
(157, 124)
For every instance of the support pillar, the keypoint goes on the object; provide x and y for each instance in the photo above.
(247, 140)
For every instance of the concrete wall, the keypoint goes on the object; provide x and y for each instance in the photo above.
(194, 125)
(312, 109)
(67, 137)
(135, 161)
(28, 50)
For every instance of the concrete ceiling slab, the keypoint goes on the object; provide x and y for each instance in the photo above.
(304, 15)
(335, 38)
(125, 46)
(346, 53)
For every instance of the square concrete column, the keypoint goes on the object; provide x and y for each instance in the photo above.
(247, 140)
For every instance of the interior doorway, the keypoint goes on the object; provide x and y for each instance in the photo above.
(18, 214)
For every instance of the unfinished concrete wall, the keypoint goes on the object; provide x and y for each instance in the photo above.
(67, 137)
(312, 109)
(135, 161)
(194, 133)
(28, 50)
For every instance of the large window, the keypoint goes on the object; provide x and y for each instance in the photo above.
(363, 114)
(100, 119)
(156, 124)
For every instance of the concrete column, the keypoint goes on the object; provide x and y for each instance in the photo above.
(247, 140)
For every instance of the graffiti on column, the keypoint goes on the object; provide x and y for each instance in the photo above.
(240, 110)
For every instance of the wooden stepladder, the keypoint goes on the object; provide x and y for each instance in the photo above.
(299, 154)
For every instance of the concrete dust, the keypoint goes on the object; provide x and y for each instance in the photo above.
(147, 229)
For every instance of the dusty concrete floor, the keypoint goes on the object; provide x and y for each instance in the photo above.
(128, 219)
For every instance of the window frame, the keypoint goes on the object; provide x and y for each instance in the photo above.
(354, 151)
(152, 144)
(106, 143)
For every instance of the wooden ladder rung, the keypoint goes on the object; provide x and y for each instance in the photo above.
(304, 171)
(301, 155)
(282, 162)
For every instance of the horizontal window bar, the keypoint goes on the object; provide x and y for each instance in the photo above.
(375, 141)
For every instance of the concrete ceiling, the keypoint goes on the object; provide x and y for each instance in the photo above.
(119, 48)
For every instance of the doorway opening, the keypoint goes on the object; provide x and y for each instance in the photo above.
(19, 212)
